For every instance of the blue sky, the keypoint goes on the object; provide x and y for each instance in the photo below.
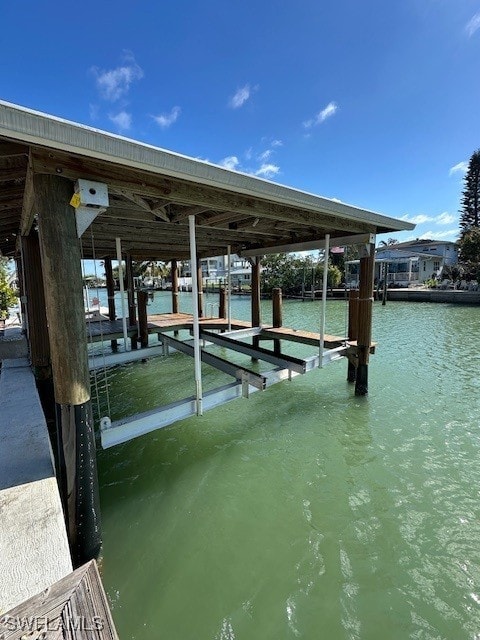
(374, 103)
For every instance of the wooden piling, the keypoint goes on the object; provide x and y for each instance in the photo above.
(352, 329)
(62, 278)
(200, 288)
(142, 299)
(21, 292)
(132, 316)
(385, 283)
(222, 307)
(277, 320)
(256, 313)
(37, 318)
(174, 274)
(365, 305)
(110, 296)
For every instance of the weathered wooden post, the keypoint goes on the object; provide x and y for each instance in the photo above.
(385, 284)
(352, 329)
(277, 315)
(256, 313)
(200, 288)
(21, 292)
(62, 278)
(110, 296)
(36, 315)
(132, 316)
(174, 273)
(365, 305)
(142, 299)
(222, 306)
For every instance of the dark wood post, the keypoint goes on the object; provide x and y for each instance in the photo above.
(21, 291)
(62, 278)
(36, 314)
(352, 329)
(200, 288)
(132, 316)
(142, 299)
(110, 296)
(277, 315)
(256, 313)
(277, 307)
(365, 305)
(222, 307)
(174, 273)
(385, 283)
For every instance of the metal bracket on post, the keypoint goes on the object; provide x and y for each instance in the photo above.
(89, 201)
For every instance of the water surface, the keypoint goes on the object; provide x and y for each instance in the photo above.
(304, 512)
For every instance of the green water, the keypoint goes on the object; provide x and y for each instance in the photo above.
(305, 512)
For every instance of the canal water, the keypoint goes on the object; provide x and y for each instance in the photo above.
(304, 512)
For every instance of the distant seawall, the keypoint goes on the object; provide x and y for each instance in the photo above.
(434, 295)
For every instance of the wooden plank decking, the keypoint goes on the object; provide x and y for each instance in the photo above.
(112, 329)
(74, 607)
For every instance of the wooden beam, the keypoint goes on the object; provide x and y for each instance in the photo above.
(36, 314)
(189, 193)
(28, 202)
(62, 278)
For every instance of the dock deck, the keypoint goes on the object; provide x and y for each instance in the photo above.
(104, 329)
(241, 338)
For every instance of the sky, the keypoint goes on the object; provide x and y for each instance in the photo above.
(375, 103)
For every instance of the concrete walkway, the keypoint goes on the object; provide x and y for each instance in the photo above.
(34, 549)
(13, 343)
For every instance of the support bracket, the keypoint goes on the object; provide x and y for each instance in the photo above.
(89, 201)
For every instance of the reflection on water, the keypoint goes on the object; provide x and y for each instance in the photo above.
(304, 511)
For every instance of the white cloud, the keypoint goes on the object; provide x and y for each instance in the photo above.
(115, 83)
(473, 25)
(240, 97)
(267, 170)
(445, 218)
(322, 115)
(450, 234)
(277, 143)
(249, 153)
(461, 167)
(421, 218)
(94, 111)
(123, 120)
(265, 155)
(165, 120)
(230, 162)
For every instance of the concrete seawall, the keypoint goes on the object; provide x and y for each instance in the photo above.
(34, 550)
(450, 296)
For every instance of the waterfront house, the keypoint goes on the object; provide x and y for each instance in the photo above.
(409, 263)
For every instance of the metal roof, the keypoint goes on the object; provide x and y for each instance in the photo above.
(152, 192)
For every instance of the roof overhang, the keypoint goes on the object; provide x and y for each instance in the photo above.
(153, 191)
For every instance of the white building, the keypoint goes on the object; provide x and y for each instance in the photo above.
(409, 263)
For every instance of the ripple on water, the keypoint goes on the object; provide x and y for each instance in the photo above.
(305, 510)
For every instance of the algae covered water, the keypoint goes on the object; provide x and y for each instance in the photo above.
(305, 512)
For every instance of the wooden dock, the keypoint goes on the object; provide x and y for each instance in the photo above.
(74, 607)
(103, 329)
(243, 339)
